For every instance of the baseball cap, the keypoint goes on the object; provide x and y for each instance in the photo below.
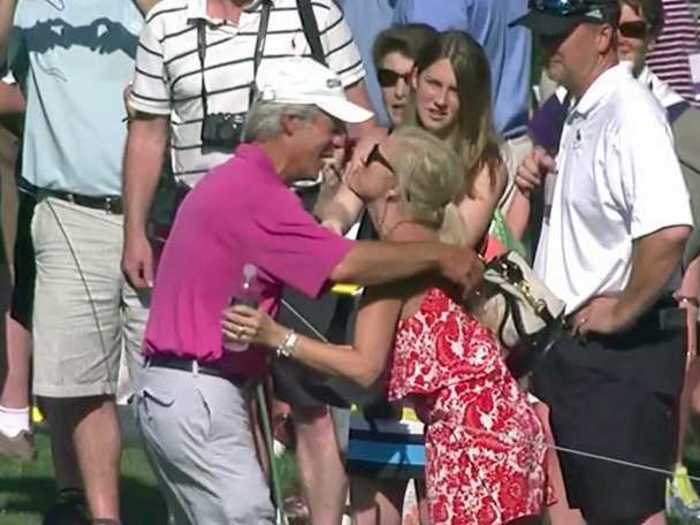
(300, 80)
(558, 17)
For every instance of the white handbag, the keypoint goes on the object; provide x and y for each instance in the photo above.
(517, 306)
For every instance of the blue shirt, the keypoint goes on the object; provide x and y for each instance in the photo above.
(367, 18)
(74, 60)
(508, 49)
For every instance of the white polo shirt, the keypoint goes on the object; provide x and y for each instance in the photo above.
(617, 180)
(168, 78)
(664, 93)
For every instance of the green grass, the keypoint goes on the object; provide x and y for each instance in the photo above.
(26, 491)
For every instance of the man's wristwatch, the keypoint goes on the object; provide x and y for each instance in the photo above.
(288, 346)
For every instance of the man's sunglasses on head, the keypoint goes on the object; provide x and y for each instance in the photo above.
(389, 77)
(560, 7)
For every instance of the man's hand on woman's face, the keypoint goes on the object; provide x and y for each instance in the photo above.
(334, 164)
(363, 147)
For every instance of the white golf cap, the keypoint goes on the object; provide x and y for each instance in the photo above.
(299, 80)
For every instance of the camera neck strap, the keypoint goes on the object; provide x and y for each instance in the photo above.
(257, 57)
(310, 28)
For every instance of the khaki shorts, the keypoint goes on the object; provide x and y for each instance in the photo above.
(85, 312)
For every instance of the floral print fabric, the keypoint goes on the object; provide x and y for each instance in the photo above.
(484, 443)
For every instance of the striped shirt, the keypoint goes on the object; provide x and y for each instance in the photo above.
(669, 57)
(168, 78)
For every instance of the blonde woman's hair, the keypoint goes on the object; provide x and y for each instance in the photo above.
(430, 181)
(474, 138)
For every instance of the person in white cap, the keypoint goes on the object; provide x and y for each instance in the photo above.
(191, 399)
(195, 64)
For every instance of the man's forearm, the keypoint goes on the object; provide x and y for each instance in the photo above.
(7, 16)
(369, 263)
(142, 169)
(357, 94)
(655, 258)
(340, 211)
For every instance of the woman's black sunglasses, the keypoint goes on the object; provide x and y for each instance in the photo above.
(638, 29)
(389, 77)
(375, 155)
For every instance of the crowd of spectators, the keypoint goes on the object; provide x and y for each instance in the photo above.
(152, 150)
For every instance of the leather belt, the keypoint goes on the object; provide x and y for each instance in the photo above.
(109, 204)
(191, 365)
(662, 316)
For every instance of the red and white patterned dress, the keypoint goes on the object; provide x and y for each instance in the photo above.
(484, 443)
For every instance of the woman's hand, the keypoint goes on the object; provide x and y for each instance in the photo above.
(363, 147)
(242, 324)
(687, 297)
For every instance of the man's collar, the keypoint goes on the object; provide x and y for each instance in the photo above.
(197, 9)
(660, 89)
(601, 88)
(255, 154)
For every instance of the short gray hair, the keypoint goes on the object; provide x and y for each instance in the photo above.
(263, 120)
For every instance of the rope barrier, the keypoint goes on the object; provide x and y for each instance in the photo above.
(304, 321)
(625, 463)
(566, 450)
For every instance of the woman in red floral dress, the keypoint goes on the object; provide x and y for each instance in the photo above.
(485, 451)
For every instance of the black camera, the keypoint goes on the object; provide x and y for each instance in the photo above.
(223, 130)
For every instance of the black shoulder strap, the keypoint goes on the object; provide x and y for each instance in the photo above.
(202, 53)
(310, 27)
(262, 34)
(257, 56)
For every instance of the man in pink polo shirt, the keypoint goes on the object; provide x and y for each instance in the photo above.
(191, 401)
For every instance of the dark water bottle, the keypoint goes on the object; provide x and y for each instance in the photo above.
(247, 295)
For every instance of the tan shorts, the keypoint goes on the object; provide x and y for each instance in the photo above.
(85, 312)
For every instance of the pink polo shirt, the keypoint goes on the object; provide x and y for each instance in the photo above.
(241, 212)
